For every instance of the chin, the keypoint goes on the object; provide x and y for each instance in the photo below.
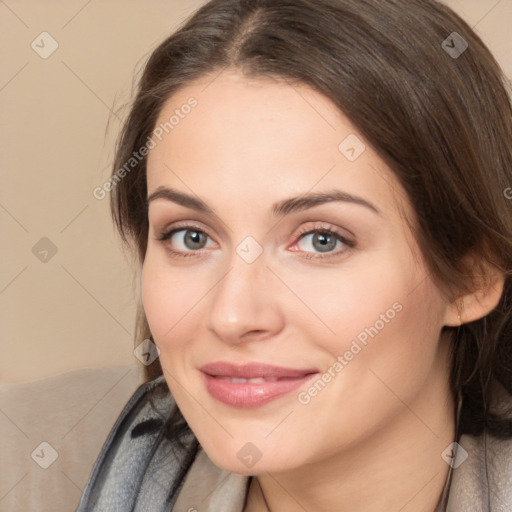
(245, 458)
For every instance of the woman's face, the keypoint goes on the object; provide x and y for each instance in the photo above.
(288, 249)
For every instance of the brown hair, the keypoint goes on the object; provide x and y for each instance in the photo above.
(440, 120)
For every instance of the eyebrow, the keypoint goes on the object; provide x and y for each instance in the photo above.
(279, 209)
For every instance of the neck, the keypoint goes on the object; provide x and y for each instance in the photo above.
(399, 468)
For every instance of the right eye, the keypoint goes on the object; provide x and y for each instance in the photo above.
(185, 240)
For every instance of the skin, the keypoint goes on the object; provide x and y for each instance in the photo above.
(372, 439)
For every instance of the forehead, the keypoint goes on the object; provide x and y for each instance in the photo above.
(263, 139)
(249, 112)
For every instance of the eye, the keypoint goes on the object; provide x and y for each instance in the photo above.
(185, 239)
(322, 242)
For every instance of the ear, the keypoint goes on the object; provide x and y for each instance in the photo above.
(487, 291)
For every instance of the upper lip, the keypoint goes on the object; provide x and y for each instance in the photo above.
(252, 370)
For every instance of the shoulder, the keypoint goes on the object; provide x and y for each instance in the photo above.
(482, 471)
(482, 475)
(138, 463)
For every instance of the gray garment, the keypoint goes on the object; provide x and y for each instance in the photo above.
(137, 466)
(139, 470)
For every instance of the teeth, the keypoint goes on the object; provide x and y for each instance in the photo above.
(240, 380)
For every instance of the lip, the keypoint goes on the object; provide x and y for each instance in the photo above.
(278, 381)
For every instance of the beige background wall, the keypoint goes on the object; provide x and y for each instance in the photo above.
(75, 308)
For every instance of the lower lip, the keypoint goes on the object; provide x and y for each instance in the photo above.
(248, 395)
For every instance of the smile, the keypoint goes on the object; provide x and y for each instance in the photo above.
(252, 385)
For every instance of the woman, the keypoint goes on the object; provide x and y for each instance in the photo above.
(316, 193)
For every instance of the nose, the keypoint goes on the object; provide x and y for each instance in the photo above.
(244, 305)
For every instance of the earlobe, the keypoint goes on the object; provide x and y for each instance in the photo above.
(478, 303)
(454, 315)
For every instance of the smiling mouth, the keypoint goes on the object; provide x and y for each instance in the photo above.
(253, 384)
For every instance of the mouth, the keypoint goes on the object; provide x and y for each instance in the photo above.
(253, 384)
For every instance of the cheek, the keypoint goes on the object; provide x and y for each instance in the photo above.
(360, 299)
(170, 297)
(387, 320)
(378, 314)
(172, 305)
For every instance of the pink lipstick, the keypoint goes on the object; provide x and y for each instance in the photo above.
(252, 384)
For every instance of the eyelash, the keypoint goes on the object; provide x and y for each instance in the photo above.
(330, 230)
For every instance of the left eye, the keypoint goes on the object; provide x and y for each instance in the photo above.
(321, 241)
